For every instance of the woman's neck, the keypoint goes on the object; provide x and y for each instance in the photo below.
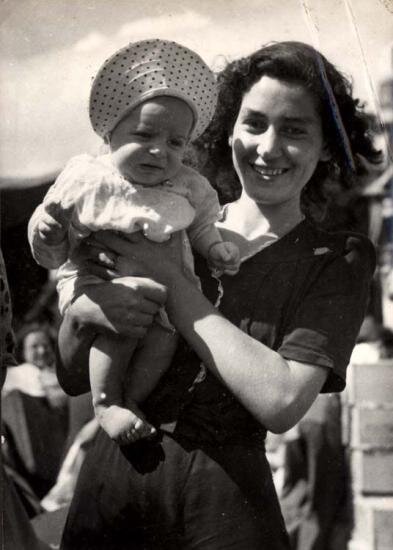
(253, 220)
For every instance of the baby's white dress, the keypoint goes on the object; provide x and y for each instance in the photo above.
(104, 199)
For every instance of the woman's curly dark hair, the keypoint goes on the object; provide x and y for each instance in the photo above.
(345, 125)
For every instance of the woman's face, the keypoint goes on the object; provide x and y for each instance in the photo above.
(277, 141)
(37, 349)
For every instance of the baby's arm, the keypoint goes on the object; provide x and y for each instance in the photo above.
(204, 236)
(49, 224)
(223, 255)
(47, 234)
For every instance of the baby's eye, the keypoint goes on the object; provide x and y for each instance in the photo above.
(177, 142)
(143, 135)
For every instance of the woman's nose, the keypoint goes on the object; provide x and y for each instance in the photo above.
(269, 144)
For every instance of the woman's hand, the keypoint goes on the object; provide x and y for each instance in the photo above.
(134, 269)
(93, 258)
(125, 306)
(111, 255)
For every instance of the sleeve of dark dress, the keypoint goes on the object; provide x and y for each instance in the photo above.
(327, 320)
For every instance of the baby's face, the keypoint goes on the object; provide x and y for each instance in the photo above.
(148, 144)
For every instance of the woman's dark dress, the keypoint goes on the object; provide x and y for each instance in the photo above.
(207, 485)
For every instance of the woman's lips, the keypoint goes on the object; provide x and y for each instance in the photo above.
(270, 172)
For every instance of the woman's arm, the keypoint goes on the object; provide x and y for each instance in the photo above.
(277, 392)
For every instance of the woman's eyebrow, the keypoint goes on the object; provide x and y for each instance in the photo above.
(300, 119)
(289, 118)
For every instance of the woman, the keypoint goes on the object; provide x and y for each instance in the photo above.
(35, 374)
(34, 416)
(16, 530)
(284, 330)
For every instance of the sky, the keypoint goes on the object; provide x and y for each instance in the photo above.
(51, 50)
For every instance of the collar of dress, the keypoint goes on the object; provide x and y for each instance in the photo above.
(248, 248)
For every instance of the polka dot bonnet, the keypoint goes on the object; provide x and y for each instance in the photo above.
(147, 69)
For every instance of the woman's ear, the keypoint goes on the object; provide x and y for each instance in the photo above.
(230, 141)
(325, 153)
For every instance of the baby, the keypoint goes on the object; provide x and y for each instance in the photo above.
(147, 101)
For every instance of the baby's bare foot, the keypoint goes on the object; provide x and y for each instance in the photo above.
(123, 425)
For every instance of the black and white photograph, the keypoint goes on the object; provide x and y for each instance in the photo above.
(196, 214)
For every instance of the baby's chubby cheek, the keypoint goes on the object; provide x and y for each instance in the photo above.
(122, 157)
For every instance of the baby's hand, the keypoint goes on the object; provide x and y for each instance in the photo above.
(225, 257)
(54, 223)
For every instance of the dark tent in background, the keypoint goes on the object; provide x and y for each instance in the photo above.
(28, 282)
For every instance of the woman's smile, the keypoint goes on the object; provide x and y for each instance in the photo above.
(268, 172)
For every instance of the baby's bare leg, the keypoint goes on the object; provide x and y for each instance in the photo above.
(150, 361)
(108, 364)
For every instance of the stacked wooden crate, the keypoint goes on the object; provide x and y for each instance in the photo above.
(370, 438)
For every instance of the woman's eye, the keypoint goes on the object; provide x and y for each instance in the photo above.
(255, 125)
(294, 131)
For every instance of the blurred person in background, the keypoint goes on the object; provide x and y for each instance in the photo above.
(315, 493)
(16, 531)
(36, 372)
(374, 342)
(315, 497)
(34, 417)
